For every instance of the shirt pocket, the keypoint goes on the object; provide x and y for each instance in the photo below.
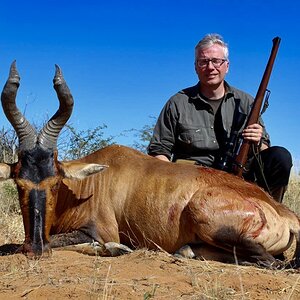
(190, 135)
(195, 137)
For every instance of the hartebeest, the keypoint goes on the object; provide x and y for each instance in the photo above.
(138, 200)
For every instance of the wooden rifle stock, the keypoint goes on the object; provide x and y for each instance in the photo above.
(242, 155)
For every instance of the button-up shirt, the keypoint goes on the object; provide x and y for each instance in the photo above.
(188, 128)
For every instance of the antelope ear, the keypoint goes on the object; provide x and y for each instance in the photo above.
(5, 171)
(77, 170)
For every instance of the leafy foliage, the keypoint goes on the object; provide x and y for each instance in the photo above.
(143, 136)
(8, 145)
(74, 144)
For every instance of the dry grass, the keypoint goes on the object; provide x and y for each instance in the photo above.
(11, 226)
(292, 195)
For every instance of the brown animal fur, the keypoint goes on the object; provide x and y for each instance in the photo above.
(141, 201)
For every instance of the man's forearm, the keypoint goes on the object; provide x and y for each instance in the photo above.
(161, 157)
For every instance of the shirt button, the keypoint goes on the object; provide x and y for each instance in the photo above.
(212, 127)
(214, 141)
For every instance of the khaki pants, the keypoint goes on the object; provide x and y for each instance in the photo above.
(185, 161)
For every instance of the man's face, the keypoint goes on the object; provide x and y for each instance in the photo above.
(211, 73)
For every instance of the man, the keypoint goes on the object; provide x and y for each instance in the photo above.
(196, 124)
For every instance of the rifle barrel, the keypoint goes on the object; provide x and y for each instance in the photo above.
(242, 156)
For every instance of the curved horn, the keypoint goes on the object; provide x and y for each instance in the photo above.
(25, 132)
(49, 134)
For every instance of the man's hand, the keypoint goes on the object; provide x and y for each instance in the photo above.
(253, 133)
(162, 157)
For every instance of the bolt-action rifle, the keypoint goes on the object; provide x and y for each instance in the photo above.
(237, 148)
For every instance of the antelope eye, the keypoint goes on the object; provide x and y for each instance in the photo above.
(55, 187)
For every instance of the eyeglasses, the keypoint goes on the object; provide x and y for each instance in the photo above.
(217, 62)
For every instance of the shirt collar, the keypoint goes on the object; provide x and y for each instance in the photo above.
(228, 90)
(196, 95)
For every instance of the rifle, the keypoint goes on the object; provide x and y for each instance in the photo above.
(237, 148)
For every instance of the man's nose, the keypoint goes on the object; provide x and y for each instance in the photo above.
(210, 65)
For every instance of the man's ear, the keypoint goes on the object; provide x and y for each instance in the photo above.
(5, 171)
(78, 170)
(227, 62)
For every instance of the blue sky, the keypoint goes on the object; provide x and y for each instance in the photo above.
(123, 59)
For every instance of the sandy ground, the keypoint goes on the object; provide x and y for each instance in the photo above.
(139, 275)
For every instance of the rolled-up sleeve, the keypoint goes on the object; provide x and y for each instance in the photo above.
(163, 139)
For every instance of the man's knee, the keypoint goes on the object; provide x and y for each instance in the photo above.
(278, 157)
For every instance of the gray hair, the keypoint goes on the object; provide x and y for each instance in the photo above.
(212, 39)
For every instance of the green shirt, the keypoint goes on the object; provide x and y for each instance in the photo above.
(188, 128)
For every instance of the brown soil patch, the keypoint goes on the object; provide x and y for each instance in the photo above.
(140, 275)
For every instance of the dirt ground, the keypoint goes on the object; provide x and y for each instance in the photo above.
(139, 275)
